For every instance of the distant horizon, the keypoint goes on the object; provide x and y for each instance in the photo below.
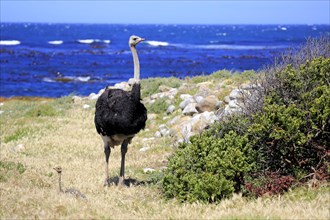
(181, 12)
(93, 23)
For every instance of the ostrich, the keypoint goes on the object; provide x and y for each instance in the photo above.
(71, 191)
(119, 115)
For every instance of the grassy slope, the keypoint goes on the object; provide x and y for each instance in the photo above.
(59, 132)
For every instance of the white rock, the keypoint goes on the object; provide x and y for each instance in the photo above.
(122, 85)
(190, 109)
(86, 106)
(170, 109)
(173, 121)
(226, 99)
(173, 92)
(163, 88)
(185, 96)
(148, 170)
(235, 94)
(18, 148)
(199, 98)
(158, 134)
(186, 132)
(152, 116)
(76, 99)
(131, 81)
(101, 91)
(1, 103)
(165, 118)
(143, 149)
(148, 139)
(186, 102)
(164, 131)
(233, 104)
(209, 117)
(93, 96)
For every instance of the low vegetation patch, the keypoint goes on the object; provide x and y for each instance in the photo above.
(9, 169)
(284, 139)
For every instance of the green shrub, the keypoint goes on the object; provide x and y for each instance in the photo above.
(292, 129)
(286, 132)
(209, 168)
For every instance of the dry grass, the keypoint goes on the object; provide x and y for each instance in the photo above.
(35, 138)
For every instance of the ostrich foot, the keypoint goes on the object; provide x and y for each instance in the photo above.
(107, 182)
(121, 181)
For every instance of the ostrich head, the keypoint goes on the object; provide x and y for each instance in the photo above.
(58, 169)
(134, 40)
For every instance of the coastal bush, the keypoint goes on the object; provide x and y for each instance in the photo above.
(210, 167)
(292, 129)
(284, 139)
(269, 183)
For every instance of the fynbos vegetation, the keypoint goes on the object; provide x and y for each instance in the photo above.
(282, 137)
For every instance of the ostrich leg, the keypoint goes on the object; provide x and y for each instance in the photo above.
(122, 168)
(107, 152)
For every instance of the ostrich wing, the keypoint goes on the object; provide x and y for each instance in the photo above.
(117, 112)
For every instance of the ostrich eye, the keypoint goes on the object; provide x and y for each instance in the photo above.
(135, 38)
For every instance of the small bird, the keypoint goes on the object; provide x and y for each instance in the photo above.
(71, 191)
(119, 115)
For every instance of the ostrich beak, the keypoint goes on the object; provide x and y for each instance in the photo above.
(142, 39)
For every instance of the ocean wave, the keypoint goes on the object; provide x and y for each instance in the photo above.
(47, 79)
(55, 42)
(9, 42)
(214, 46)
(67, 79)
(91, 41)
(157, 43)
(236, 47)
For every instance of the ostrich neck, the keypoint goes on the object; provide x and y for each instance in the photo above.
(136, 65)
(59, 183)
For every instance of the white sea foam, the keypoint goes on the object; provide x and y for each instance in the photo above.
(55, 42)
(221, 34)
(67, 79)
(157, 43)
(9, 42)
(86, 41)
(236, 47)
(83, 78)
(91, 41)
(226, 46)
(214, 46)
(47, 79)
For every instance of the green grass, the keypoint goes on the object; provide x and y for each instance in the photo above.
(151, 85)
(8, 169)
(59, 132)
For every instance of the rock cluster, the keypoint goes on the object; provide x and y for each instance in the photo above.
(194, 112)
(95, 96)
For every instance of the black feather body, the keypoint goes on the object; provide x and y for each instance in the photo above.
(120, 112)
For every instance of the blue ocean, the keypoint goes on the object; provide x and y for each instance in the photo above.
(55, 60)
